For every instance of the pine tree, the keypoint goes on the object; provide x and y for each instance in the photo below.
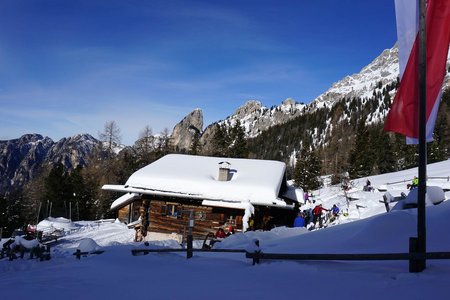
(239, 146)
(4, 216)
(195, 147)
(57, 191)
(307, 169)
(220, 141)
(10, 212)
(82, 201)
(385, 161)
(360, 160)
(438, 149)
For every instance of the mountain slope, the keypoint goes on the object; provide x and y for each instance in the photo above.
(382, 69)
(23, 158)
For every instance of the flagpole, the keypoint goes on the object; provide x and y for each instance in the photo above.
(421, 226)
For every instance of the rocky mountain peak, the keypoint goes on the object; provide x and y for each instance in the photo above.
(256, 118)
(289, 102)
(183, 133)
(250, 107)
(30, 138)
(72, 151)
(382, 69)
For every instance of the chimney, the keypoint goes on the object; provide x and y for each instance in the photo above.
(224, 171)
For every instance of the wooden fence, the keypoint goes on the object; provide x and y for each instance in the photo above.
(413, 257)
(410, 180)
(136, 252)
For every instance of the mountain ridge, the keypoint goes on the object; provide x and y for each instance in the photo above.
(22, 158)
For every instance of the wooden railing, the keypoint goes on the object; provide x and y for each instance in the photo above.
(413, 257)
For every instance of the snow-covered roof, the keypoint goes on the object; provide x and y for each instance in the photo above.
(255, 181)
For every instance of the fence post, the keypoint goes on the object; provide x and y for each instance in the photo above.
(189, 246)
(256, 253)
(189, 237)
(415, 265)
(78, 254)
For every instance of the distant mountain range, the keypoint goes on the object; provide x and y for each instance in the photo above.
(382, 71)
(22, 158)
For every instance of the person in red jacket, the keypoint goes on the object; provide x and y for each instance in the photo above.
(230, 231)
(220, 234)
(317, 214)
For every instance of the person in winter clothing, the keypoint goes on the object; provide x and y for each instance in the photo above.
(414, 183)
(335, 210)
(368, 187)
(230, 231)
(345, 184)
(306, 196)
(317, 214)
(220, 234)
(218, 237)
(334, 213)
(299, 221)
(307, 213)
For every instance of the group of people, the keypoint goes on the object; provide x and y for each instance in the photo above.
(221, 234)
(314, 215)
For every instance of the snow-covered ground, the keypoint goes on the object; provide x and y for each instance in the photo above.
(365, 204)
(116, 274)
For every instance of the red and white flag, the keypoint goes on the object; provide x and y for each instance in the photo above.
(403, 116)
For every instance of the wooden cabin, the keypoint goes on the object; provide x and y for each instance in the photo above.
(165, 196)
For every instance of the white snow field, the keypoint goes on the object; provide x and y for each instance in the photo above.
(116, 274)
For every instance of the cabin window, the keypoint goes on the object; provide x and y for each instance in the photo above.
(171, 210)
(135, 213)
(200, 216)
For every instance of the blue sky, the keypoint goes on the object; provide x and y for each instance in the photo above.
(68, 67)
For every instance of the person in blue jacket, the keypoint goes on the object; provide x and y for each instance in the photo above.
(335, 210)
(299, 220)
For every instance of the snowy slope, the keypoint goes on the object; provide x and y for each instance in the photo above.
(384, 68)
(366, 204)
(116, 274)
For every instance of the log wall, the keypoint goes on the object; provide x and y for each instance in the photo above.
(173, 217)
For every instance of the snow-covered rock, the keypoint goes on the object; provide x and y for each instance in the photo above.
(88, 245)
